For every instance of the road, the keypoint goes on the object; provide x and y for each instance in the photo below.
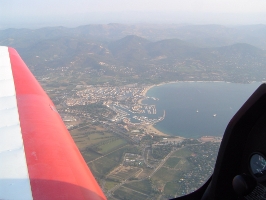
(105, 154)
(146, 148)
(109, 193)
(135, 191)
(166, 158)
(162, 163)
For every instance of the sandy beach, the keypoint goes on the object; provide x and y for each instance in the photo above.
(146, 89)
(143, 93)
(150, 129)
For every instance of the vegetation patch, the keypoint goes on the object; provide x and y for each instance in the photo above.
(183, 165)
(141, 186)
(161, 151)
(172, 162)
(110, 184)
(112, 145)
(127, 149)
(164, 174)
(128, 194)
(103, 166)
(170, 189)
(90, 138)
(184, 152)
(89, 155)
(124, 173)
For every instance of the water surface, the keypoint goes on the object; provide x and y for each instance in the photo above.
(195, 109)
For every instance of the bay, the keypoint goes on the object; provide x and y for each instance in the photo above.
(195, 109)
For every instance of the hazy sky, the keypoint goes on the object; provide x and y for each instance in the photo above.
(34, 13)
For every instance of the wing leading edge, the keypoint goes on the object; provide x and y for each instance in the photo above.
(39, 159)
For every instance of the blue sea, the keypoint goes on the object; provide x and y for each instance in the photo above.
(195, 109)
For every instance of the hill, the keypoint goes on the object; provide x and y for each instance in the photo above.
(93, 50)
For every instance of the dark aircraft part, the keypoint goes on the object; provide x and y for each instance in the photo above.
(241, 155)
(244, 184)
(258, 165)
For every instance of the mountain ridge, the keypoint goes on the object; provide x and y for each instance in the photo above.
(135, 56)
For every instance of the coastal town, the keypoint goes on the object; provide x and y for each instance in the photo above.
(125, 101)
(102, 77)
(113, 127)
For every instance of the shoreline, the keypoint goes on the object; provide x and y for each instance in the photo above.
(147, 88)
(170, 82)
(144, 92)
(151, 128)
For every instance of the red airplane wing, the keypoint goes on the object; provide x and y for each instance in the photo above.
(38, 157)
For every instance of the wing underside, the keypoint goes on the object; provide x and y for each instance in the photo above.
(38, 157)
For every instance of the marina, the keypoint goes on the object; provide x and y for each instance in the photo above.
(137, 115)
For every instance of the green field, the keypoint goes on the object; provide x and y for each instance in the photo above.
(89, 155)
(184, 152)
(110, 184)
(127, 194)
(111, 198)
(117, 155)
(164, 174)
(141, 186)
(183, 165)
(112, 145)
(99, 136)
(126, 173)
(170, 189)
(85, 139)
(103, 166)
(172, 162)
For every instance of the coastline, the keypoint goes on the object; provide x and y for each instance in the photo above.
(150, 129)
(163, 83)
(144, 92)
(146, 89)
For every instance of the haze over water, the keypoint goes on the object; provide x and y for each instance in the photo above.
(195, 109)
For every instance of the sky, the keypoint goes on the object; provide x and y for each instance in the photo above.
(71, 13)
